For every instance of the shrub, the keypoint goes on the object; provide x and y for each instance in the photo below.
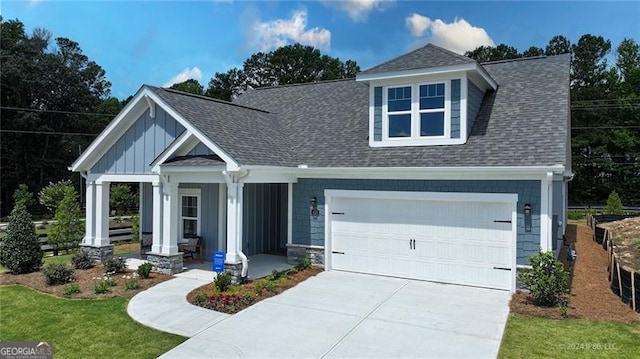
(70, 290)
(144, 270)
(546, 279)
(131, 282)
(305, 263)
(68, 229)
(20, 249)
(101, 287)
(121, 198)
(575, 214)
(115, 265)
(614, 205)
(53, 194)
(222, 282)
(57, 273)
(82, 261)
(135, 228)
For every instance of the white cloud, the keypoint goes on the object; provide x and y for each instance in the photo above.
(358, 10)
(265, 36)
(34, 3)
(186, 74)
(458, 36)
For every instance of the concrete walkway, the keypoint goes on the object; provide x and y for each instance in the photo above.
(348, 315)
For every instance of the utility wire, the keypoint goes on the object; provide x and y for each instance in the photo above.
(51, 133)
(55, 111)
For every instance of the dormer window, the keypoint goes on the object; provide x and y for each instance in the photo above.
(416, 111)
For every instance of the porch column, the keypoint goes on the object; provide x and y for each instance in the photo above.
(234, 221)
(156, 246)
(102, 214)
(170, 219)
(89, 223)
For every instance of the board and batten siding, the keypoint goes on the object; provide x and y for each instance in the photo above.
(134, 151)
(209, 194)
(309, 231)
(264, 223)
(474, 101)
(146, 207)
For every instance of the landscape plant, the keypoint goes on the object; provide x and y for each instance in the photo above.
(82, 260)
(114, 265)
(546, 279)
(122, 198)
(20, 250)
(57, 273)
(144, 270)
(67, 230)
(52, 195)
(71, 289)
(222, 282)
(614, 204)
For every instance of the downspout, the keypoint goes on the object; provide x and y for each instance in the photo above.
(243, 258)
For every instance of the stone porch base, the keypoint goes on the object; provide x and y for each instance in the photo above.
(98, 254)
(295, 252)
(235, 271)
(166, 263)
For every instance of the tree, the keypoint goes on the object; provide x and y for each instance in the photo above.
(22, 196)
(48, 79)
(614, 205)
(558, 45)
(20, 249)
(286, 65)
(190, 86)
(533, 51)
(489, 53)
(67, 229)
(52, 195)
(121, 198)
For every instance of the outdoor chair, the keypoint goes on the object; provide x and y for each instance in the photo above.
(192, 247)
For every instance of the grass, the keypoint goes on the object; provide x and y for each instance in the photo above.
(532, 337)
(97, 328)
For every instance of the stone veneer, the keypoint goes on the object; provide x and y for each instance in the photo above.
(295, 252)
(99, 254)
(166, 264)
(235, 271)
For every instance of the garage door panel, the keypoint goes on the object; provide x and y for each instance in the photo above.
(455, 242)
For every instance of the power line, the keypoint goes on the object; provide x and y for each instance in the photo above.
(52, 133)
(602, 127)
(55, 111)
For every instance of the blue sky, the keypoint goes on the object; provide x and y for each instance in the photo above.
(160, 42)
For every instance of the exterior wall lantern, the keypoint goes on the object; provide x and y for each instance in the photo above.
(527, 210)
(314, 208)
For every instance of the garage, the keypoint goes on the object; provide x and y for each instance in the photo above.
(459, 238)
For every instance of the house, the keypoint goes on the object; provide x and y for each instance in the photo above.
(429, 166)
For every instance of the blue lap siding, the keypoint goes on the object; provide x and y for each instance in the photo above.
(309, 231)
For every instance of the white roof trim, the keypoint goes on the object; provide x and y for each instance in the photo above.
(180, 143)
(430, 71)
(140, 102)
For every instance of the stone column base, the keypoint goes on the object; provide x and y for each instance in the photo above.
(98, 254)
(166, 263)
(235, 271)
(295, 252)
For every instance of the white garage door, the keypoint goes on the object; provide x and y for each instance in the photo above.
(459, 240)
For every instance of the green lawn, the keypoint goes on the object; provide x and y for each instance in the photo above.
(531, 337)
(79, 328)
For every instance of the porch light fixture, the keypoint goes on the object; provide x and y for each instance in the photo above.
(314, 208)
(527, 210)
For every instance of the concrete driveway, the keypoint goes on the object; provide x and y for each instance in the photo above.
(340, 315)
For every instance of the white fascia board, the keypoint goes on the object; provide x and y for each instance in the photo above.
(485, 75)
(191, 169)
(231, 163)
(101, 178)
(416, 72)
(196, 177)
(171, 150)
(110, 135)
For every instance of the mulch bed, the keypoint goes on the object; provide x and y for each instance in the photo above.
(246, 294)
(85, 280)
(591, 297)
(626, 236)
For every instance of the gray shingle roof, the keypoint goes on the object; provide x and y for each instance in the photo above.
(248, 135)
(428, 56)
(194, 160)
(523, 123)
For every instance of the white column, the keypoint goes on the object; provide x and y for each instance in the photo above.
(156, 246)
(170, 219)
(102, 214)
(89, 223)
(234, 221)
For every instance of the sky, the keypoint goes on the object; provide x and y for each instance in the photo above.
(164, 42)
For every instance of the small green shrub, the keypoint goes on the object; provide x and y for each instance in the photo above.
(131, 282)
(70, 290)
(135, 228)
(614, 204)
(82, 261)
(277, 275)
(635, 243)
(305, 263)
(222, 281)
(144, 270)
(546, 279)
(576, 214)
(115, 265)
(57, 273)
(101, 287)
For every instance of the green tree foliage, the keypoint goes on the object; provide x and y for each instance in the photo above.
(122, 198)
(47, 78)
(533, 51)
(22, 196)
(286, 65)
(20, 249)
(558, 45)
(52, 195)
(490, 53)
(190, 86)
(614, 205)
(547, 279)
(67, 229)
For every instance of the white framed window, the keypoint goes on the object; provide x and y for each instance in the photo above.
(416, 111)
(190, 212)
